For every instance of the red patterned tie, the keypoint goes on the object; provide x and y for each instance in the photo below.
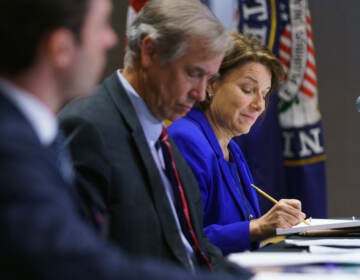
(180, 199)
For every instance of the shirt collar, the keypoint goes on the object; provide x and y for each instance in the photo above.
(40, 117)
(151, 126)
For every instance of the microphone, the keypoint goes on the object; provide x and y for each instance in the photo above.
(358, 104)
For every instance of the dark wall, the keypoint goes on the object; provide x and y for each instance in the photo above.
(118, 20)
(337, 46)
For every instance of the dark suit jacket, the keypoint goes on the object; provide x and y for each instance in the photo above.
(41, 234)
(113, 160)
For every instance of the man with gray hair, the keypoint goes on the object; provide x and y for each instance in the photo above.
(123, 171)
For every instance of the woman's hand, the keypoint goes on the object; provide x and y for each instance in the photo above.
(284, 214)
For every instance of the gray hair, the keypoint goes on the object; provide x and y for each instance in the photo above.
(172, 23)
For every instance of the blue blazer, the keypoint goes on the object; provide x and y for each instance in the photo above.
(226, 220)
(41, 234)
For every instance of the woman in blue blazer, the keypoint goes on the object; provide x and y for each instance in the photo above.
(232, 219)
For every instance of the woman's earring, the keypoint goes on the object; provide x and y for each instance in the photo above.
(210, 93)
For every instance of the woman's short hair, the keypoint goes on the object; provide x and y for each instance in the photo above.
(247, 49)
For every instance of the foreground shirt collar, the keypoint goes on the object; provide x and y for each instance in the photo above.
(40, 117)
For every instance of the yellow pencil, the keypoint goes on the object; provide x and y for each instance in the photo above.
(269, 197)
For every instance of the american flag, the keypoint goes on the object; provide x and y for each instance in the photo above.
(309, 85)
(134, 8)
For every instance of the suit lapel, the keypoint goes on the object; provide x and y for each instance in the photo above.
(7, 103)
(198, 117)
(246, 177)
(27, 128)
(155, 186)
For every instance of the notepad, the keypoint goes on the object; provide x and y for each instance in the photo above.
(270, 259)
(320, 224)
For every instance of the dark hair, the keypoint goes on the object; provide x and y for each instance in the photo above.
(24, 23)
(247, 49)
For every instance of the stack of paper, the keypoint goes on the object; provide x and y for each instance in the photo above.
(328, 245)
(304, 276)
(321, 224)
(251, 260)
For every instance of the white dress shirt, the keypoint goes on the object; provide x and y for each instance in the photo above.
(40, 117)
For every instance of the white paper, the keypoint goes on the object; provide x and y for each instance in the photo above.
(331, 250)
(324, 242)
(304, 276)
(249, 259)
(318, 224)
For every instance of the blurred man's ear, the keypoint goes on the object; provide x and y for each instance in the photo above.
(60, 47)
(148, 51)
